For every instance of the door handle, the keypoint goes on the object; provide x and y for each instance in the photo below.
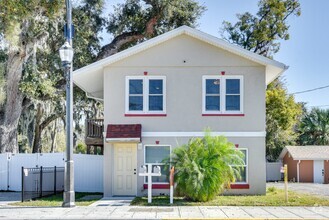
(135, 173)
(134, 169)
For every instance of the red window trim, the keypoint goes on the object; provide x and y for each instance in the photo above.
(240, 186)
(223, 115)
(145, 115)
(159, 186)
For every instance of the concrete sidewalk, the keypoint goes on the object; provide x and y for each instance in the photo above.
(170, 212)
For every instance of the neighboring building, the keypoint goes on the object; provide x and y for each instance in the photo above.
(307, 163)
(162, 92)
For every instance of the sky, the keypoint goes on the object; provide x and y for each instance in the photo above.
(306, 52)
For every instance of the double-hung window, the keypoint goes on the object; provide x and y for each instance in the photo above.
(146, 95)
(155, 155)
(222, 95)
(242, 168)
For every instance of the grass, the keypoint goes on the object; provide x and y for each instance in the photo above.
(57, 200)
(273, 197)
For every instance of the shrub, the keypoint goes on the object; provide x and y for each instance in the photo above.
(203, 167)
(81, 148)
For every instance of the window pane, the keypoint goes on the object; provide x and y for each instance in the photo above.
(243, 174)
(212, 103)
(156, 103)
(244, 156)
(164, 178)
(212, 86)
(155, 86)
(233, 102)
(135, 103)
(135, 86)
(156, 154)
(233, 86)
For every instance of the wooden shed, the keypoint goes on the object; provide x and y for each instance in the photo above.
(306, 163)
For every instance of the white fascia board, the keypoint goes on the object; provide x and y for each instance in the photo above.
(97, 66)
(233, 48)
(201, 134)
(130, 51)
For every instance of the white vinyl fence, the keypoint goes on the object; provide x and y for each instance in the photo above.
(273, 171)
(88, 169)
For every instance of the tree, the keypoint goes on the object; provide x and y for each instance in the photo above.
(262, 33)
(49, 91)
(203, 167)
(138, 20)
(314, 127)
(282, 115)
(22, 29)
(30, 69)
(40, 82)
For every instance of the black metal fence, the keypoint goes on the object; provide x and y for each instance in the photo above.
(41, 181)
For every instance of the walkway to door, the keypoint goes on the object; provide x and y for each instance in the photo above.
(310, 188)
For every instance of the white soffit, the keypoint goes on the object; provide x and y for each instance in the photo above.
(90, 77)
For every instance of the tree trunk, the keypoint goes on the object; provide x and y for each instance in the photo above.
(37, 130)
(40, 126)
(11, 111)
(53, 135)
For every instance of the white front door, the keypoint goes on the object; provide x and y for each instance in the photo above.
(318, 171)
(125, 166)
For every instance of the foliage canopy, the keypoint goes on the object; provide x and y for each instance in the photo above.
(314, 127)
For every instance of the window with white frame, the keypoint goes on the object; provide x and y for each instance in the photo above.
(222, 94)
(145, 94)
(155, 155)
(243, 168)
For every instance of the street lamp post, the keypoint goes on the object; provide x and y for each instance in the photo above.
(66, 55)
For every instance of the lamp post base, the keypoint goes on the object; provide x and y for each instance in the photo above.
(69, 199)
(69, 194)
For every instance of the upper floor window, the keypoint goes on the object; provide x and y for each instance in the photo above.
(145, 94)
(222, 95)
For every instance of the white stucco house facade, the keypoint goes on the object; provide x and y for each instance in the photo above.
(164, 91)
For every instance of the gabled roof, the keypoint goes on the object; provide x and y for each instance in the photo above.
(90, 77)
(312, 152)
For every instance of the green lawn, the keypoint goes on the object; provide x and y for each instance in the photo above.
(57, 200)
(273, 197)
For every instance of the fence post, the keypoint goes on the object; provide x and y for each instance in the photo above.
(22, 184)
(55, 172)
(41, 182)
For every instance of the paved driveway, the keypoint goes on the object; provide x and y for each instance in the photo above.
(9, 197)
(310, 188)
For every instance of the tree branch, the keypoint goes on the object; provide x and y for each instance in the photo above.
(128, 37)
(48, 120)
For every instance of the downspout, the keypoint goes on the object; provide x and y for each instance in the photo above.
(298, 171)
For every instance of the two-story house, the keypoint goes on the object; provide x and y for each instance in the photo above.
(162, 92)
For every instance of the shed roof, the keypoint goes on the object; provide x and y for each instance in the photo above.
(90, 77)
(312, 152)
(124, 133)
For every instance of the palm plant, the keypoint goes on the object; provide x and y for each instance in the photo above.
(204, 167)
(314, 128)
